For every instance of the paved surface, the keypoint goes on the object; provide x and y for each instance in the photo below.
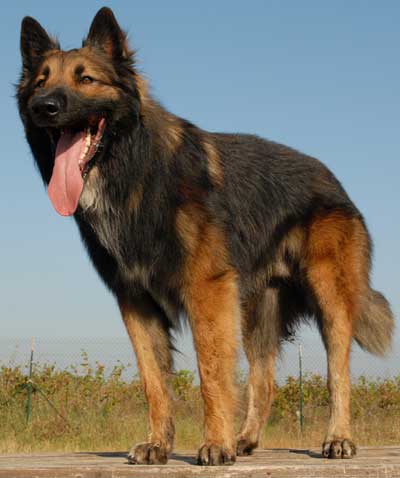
(277, 463)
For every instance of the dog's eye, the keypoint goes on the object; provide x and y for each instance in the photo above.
(86, 80)
(40, 83)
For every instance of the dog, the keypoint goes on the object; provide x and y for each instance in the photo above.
(239, 235)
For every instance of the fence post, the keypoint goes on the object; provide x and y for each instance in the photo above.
(29, 384)
(301, 387)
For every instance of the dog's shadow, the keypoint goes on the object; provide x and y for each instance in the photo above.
(188, 459)
(105, 454)
(297, 451)
(310, 453)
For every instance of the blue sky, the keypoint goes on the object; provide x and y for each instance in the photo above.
(322, 77)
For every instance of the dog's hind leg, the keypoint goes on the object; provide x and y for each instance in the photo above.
(337, 271)
(149, 333)
(260, 331)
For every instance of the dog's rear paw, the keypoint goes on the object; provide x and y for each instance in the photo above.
(148, 454)
(339, 448)
(245, 447)
(214, 455)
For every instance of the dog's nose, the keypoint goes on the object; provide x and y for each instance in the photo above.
(49, 107)
(52, 107)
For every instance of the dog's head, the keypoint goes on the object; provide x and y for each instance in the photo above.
(73, 102)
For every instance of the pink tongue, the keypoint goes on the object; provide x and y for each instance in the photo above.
(66, 183)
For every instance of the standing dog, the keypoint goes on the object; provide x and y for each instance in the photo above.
(230, 230)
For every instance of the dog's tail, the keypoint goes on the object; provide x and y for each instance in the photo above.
(375, 326)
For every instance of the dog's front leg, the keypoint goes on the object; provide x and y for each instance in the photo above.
(148, 330)
(213, 307)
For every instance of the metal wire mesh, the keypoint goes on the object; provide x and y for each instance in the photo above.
(67, 352)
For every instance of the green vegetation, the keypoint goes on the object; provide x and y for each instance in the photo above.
(105, 412)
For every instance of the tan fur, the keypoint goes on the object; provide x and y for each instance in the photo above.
(189, 230)
(154, 362)
(140, 274)
(168, 131)
(261, 332)
(61, 68)
(143, 88)
(291, 245)
(135, 199)
(214, 166)
(293, 242)
(336, 270)
(341, 242)
(212, 300)
(260, 394)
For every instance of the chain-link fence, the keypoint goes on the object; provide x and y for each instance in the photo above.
(80, 393)
(65, 352)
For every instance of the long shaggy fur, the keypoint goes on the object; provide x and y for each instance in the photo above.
(375, 326)
(230, 230)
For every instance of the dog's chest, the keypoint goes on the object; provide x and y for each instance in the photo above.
(136, 242)
(141, 264)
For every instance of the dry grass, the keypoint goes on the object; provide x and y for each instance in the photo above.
(104, 412)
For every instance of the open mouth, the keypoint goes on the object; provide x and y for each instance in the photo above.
(75, 150)
(93, 135)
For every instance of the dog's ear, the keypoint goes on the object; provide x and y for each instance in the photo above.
(34, 43)
(106, 34)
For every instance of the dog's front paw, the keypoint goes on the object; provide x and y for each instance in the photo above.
(148, 454)
(214, 455)
(338, 448)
